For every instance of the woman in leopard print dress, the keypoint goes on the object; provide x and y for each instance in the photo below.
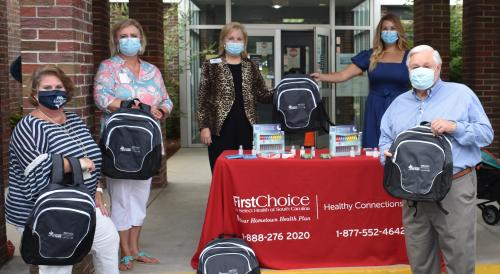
(230, 87)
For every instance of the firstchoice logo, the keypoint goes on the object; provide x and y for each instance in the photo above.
(271, 201)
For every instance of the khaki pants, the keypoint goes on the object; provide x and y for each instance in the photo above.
(431, 232)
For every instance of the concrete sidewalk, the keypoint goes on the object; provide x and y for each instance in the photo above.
(176, 213)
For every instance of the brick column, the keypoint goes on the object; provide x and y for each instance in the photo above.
(432, 27)
(59, 32)
(481, 58)
(4, 120)
(150, 14)
(100, 45)
(15, 93)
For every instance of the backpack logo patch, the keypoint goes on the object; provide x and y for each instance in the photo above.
(298, 106)
(130, 149)
(422, 168)
(64, 235)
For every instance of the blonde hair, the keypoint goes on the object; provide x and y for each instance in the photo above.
(50, 70)
(114, 41)
(225, 32)
(378, 44)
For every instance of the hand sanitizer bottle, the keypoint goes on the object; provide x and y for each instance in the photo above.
(313, 152)
(293, 151)
(254, 152)
(351, 152)
(240, 150)
(302, 151)
(375, 154)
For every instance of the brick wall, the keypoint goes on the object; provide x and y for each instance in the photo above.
(59, 32)
(15, 94)
(432, 27)
(481, 58)
(150, 14)
(4, 80)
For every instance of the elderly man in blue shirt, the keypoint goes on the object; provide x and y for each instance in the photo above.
(455, 110)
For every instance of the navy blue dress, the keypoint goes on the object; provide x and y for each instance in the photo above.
(387, 81)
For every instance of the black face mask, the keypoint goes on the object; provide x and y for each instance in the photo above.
(53, 99)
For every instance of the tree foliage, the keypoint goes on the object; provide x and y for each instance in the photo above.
(456, 43)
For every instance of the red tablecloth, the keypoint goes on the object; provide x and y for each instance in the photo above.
(299, 213)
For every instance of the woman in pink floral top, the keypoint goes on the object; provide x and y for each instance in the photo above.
(124, 77)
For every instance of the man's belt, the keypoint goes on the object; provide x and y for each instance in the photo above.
(462, 173)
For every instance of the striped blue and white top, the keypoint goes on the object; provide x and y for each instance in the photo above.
(31, 147)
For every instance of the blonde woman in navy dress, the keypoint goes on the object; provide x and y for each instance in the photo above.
(387, 74)
(49, 130)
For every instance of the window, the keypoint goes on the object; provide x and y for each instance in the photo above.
(352, 12)
(204, 45)
(207, 12)
(350, 95)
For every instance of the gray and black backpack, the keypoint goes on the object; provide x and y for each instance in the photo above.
(298, 106)
(131, 144)
(60, 229)
(228, 255)
(421, 166)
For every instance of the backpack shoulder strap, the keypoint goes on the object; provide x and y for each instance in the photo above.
(57, 175)
(76, 170)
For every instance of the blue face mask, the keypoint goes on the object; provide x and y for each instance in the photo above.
(422, 78)
(389, 36)
(130, 46)
(52, 99)
(234, 49)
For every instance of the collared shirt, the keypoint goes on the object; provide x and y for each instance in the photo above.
(114, 80)
(445, 100)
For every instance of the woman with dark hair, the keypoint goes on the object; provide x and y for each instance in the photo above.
(387, 74)
(49, 130)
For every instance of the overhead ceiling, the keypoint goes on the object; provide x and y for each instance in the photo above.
(292, 3)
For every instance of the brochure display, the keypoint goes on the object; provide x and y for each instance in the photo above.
(268, 138)
(345, 140)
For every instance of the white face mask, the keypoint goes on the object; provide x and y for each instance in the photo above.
(422, 78)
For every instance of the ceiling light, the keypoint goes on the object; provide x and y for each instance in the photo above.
(322, 4)
(277, 4)
(293, 20)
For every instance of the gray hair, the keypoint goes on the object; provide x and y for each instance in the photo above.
(424, 48)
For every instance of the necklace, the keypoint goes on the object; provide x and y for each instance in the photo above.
(68, 131)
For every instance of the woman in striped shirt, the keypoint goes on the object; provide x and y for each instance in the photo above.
(48, 130)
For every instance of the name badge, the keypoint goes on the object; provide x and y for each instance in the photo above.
(215, 61)
(123, 78)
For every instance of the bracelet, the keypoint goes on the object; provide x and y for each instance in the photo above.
(99, 189)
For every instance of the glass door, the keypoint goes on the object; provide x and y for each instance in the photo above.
(261, 50)
(322, 64)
